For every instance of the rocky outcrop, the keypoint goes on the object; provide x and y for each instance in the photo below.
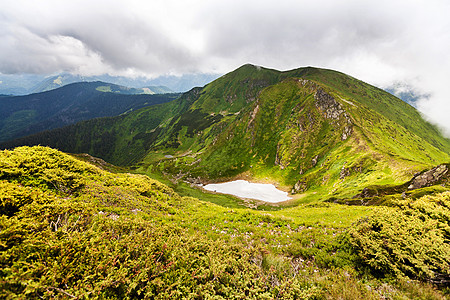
(345, 172)
(299, 186)
(346, 133)
(252, 117)
(194, 180)
(230, 98)
(366, 193)
(333, 111)
(253, 88)
(429, 178)
(314, 161)
(326, 103)
(278, 159)
(434, 176)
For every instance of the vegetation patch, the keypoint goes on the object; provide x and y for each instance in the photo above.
(71, 230)
(409, 240)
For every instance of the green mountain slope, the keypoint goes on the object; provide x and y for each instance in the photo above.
(24, 115)
(69, 229)
(318, 133)
(306, 136)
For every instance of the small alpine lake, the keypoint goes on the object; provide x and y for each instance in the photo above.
(244, 189)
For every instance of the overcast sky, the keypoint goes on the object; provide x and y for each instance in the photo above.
(380, 42)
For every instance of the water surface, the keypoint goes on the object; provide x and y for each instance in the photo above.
(244, 189)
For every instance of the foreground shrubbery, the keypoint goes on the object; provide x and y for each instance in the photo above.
(71, 230)
(412, 239)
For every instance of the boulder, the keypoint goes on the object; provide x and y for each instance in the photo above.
(428, 178)
(300, 186)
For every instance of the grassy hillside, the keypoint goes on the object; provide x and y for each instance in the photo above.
(376, 100)
(69, 229)
(24, 115)
(318, 133)
(285, 136)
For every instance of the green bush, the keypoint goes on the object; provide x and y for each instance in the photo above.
(409, 240)
(125, 236)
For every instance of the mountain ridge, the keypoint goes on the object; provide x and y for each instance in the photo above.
(24, 84)
(313, 130)
(23, 115)
(57, 81)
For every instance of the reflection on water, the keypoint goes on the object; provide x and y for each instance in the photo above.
(245, 189)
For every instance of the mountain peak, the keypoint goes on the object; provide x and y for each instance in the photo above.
(314, 131)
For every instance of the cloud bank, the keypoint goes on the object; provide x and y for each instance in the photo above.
(381, 42)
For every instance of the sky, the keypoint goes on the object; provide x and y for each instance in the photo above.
(405, 43)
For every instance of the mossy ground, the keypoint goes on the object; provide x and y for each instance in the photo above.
(69, 229)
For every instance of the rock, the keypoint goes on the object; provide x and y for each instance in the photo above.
(334, 111)
(279, 158)
(366, 192)
(253, 116)
(328, 105)
(345, 172)
(347, 132)
(300, 186)
(230, 98)
(193, 180)
(428, 178)
(314, 160)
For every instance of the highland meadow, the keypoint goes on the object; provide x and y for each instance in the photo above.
(122, 217)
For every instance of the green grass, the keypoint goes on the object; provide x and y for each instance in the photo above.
(70, 229)
(268, 125)
(376, 100)
(104, 88)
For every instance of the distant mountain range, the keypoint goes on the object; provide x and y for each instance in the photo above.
(24, 115)
(406, 93)
(28, 84)
(21, 84)
(319, 132)
(58, 81)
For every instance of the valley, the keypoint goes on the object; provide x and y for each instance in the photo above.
(69, 228)
(126, 213)
(318, 132)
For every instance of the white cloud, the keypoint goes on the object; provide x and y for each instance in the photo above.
(380, 42)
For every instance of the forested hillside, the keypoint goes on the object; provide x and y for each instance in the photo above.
(25, 115)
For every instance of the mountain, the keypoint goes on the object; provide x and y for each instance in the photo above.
(24, 115)
(29, 83)
(319, 133)
(406, 92)
(13, 84)
(53, 82)
(71, 229)
(185, 82)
